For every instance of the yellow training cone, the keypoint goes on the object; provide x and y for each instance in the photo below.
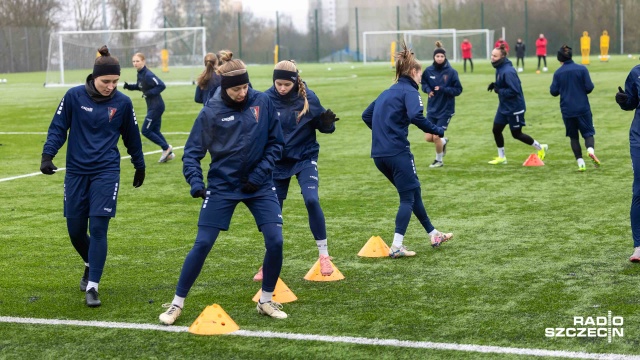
(281, 294)
(314, 273)
(213, 321)
(375, 247)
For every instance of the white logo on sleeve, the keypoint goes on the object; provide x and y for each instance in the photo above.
(60, 107)
(420, 100)
(155, 80)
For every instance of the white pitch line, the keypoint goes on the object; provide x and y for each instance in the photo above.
(330, 339)
(63, 169)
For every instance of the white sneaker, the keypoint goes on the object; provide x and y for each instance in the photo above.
(545, 69)
(165, 154)
(398, 252)
(635, 257)
(272, 309)
(520, 69)
(171, 315)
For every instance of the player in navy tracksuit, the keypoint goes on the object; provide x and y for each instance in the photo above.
(151, 87)
(629, 99)
(511, 106)
(301, 114)
(573, 83)
(442, 84)
(389, 117)
(95, 115)
(239, 128)
(208, 82)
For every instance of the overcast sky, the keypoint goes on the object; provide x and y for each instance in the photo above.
(297, 9)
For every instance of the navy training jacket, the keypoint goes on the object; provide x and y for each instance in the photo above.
(151, 86)
(572, 82)
(243, 144)
(390, 115)
(443, 103)
(632, 89)
(93, 132)
(300, 142)
(509, 89)
(202, 96)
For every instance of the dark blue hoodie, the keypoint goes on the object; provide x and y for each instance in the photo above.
(151, 86)
(443, 103)
(572, 82)
(93, 132)
(509, 89)
(390, 115)
(632, 89)
(300, 144)
(244, 146)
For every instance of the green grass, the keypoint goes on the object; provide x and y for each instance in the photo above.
(533, 247)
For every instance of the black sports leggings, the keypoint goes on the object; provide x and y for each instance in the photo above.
(543, 58)
(516, 133)
(518, 62)
(589, 142)
(465, 64)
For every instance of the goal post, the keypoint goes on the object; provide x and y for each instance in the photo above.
(422, 42)
(174, 54)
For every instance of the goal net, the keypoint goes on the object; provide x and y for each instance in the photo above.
(379, 45)
(174, 54)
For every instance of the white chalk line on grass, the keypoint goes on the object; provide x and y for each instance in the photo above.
(63, 169)
(330, 339)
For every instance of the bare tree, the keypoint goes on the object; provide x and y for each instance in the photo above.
(87, 14)
(126, 13)
(34, 13)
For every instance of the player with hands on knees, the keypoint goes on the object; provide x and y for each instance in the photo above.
(301, 117)
(442, 83)
(389, 117)
(240, 171)
(91, 118)
(629, 100)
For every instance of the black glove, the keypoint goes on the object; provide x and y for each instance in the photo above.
(138, 178)
(46, 165)
(199, 194)
(328, 117)
(491, 87)
(621, 96)
(126, 86)
(249, 187)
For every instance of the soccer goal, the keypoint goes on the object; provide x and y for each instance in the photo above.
(379, 45)
(174, 54)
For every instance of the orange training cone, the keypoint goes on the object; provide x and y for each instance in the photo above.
(315, 275)
(281, 294)
(375, 247)
(533, 160)
(213, 321)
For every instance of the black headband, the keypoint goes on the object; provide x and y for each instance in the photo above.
(100, 70)
(234, 80)
(285, 75)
